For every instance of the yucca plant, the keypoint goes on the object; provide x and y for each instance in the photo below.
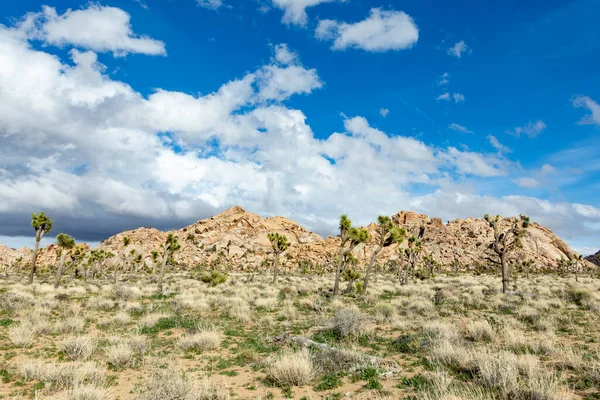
(506, 240)
(42, 225)
(65, 243)
(280, 244)
(349, 238)
(170, 246)
(387, 234)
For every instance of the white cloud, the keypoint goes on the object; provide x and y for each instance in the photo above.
(459, 128)
(548, 169)
(114, 159)
(475, 164)
(498, 146)
(458, 49)
(458, 98)
(532, 129)
(381, 31)
(594, 108)
(443, 80)
(98, 28)
(384, 112)
(210, 4)
(294, 11)
(529, 183)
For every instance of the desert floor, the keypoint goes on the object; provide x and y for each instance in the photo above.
(450, 337)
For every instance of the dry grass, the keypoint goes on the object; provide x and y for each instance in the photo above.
(204, 340)
(292, 369)
(78, 347)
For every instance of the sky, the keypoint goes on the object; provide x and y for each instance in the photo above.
(127, 113)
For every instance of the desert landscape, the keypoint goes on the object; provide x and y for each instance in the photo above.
(241, 306)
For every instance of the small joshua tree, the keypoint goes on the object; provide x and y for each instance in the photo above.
(42, 225)
(506, 240)
(349, 238)
(280, 244)
(65, 243)
(170, 246)
(411, 254)
(387, 234)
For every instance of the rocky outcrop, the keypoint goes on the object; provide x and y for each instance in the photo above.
(239, 238)
(594, 258)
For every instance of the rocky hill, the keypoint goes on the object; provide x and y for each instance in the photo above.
(594, 258)
(239, 238)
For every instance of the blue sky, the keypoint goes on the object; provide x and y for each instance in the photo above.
(455, 109)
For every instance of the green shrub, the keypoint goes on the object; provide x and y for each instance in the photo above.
(213, 278)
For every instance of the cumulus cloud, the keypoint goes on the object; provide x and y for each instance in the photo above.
(381, 31)
(458, 49)
(532, 129)
(443, 80)
(457, 97)
(529, 183)
(594, 108)
(97, 28)
(210, 4)
(294, 11)
(115, 159)
(459, 128)
(497, 145)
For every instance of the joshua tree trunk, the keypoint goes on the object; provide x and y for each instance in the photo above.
(116, 274)
(38, 238)
(338, 271)
(59, 271)
(371, 263)
(161, 276)
(275, 267)
(505, 277)
(576, 274)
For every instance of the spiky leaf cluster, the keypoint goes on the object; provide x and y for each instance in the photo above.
(41, 222)
(65, 241)
(280, 243)
(172, 244)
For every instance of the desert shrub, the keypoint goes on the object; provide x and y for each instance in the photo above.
(171, 383)
(200, 341)
(125, 293)
(384, 311)
(288, 310)
(78, 347)
(59, 376)
(84, 392)
(267, 303)
(292, 369)
(349, 322)
(578, 295)
(480, 331)
(73, 324)
(120, 355)
(21, 335)
(213, 278)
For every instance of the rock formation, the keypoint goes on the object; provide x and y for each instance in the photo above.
(594, 258)
(238, 238)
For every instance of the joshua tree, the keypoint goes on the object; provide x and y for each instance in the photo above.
(42, 225)
(349, 238)
(505, 241)
(280, 244)
(97, 257)
(126, 241)
(387, 234)
(170, 246)
(154, 255)
(430, 264)
(411, 253)
(65, 243)
(137, 261)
